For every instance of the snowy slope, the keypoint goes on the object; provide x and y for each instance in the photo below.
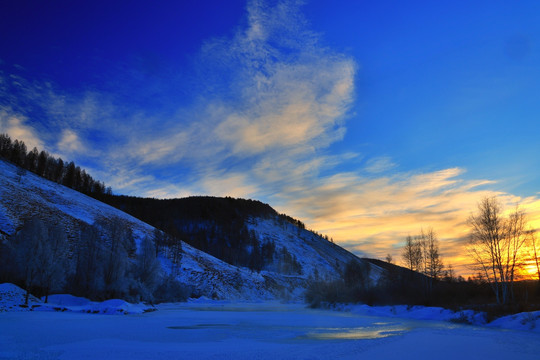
(22, 197)
(27, 195)
(315, 254)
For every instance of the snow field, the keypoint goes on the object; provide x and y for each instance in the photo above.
(205, 329)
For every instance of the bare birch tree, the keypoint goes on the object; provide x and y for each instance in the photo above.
(28, 246)
(412, 254)
(120, 245)
(147, 269)
(433, 265)
(496, 245)
(53, 261)
(89, 259)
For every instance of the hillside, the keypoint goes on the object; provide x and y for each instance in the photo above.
(24, 195)
(245, 233)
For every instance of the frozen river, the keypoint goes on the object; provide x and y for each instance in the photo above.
(251, 331)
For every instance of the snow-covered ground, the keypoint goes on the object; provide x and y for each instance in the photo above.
(12, 299)
(206, 329)
(527, 321)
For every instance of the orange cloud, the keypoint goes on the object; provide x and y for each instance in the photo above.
(373, 216)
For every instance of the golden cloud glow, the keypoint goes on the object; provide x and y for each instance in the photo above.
(15, 126)
(70, 142)
(374, 215)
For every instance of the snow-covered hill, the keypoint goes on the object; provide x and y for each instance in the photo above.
(24, 195)
(318, 257)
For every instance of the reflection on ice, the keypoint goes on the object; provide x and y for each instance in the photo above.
(293, 333)
(359, 333)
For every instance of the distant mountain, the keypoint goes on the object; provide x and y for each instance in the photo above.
(267, 255)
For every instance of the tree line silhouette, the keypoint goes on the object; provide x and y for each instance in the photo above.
(55, 169)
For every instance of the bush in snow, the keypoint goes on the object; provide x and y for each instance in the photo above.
(170, 290)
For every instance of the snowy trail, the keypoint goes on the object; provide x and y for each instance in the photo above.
(267, 330)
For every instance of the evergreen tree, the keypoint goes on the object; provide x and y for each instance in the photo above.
(50, 168)
(69, 177)
(59, 171)
(18, 153)
(42, 162)
(5, 145)
(32, 159)
(77, 179)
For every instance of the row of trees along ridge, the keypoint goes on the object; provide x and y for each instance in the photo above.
(51, 168)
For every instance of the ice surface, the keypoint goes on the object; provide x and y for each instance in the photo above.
(419, 313)
(266, 330)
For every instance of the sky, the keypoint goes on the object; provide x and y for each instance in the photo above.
(368, 121)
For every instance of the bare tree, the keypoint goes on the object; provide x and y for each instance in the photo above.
(147, 269)
(433, 265)
(28, 248)
(175, 253)
(535, 245)
(120, 245)
(412, 254)
(449, 273)
(89, 259)
(160, 241)
(496, 245)
(52, 261)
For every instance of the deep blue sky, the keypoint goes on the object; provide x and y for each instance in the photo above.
(367, 120)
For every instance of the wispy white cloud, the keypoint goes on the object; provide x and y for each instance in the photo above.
(274, 98)
(379, 165)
